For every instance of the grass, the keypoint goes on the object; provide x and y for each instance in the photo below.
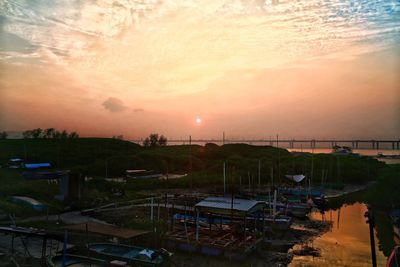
(92, 156)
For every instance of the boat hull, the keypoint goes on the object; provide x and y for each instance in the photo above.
(130, 254)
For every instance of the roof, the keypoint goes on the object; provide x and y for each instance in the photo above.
(27, 200)
(225, 204)
(107, 229)
(16, 160)
(37, 165)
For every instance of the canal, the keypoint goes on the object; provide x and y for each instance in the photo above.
(347, 243)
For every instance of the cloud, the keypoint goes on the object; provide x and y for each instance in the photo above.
(114, 104)
(138, 110)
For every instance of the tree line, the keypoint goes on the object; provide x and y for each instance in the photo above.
(49, 133)
(154, 140)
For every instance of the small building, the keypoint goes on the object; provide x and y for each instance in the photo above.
(227, 229)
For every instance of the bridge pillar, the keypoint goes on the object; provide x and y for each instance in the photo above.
(357, 144)
(393, 145)
(398, 144)
(377, 144)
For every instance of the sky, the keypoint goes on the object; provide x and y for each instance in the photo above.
(249, 68)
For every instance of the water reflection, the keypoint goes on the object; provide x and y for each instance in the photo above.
(347, 243)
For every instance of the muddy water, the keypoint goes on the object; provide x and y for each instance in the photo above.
(346, 244)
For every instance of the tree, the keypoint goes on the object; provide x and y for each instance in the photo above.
(36, 133)
(162, 141)
(64, 134)
(153, 140)
(3, 135)
(146, 142)
(57, 135)
(27, 134)
(73, 135)
(49, 133)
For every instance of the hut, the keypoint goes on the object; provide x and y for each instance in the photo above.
(226, 230)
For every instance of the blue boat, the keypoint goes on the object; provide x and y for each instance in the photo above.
(134, 255)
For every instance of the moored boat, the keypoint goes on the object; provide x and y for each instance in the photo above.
(75, 260)
(132, 254)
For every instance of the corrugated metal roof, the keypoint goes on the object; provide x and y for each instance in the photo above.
(225, 203)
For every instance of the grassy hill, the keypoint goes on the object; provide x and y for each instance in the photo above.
(92, 156)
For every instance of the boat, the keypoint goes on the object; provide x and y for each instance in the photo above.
(394, 258)
(75, 261)
(300, 210)
(132, 254)
(343, 150)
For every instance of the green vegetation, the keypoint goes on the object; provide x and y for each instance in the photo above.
(153, 140)
(385, 194)
(48, 133)
(101, 157)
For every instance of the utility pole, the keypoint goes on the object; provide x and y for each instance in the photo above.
(370, 220)
(190, 164)
(259, 174)
(224, 179)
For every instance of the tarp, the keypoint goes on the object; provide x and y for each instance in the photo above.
(37, 165)
(296, 178)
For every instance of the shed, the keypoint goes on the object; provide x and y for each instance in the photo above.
(226, 206)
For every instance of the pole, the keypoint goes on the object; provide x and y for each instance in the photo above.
(224, 179)
(64, 258)
(152, 209)
(272, 176)
(106, 168)
(197, 225)
(370, 220)
(259, 173)
(190, 164)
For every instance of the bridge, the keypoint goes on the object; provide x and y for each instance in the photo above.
(296, 143)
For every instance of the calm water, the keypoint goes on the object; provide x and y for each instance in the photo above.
(347, 243)
(364, 152)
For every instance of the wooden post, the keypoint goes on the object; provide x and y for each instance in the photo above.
(245, 219)
(224, 179)
(44, 250)
(64, 258)
(259, 174)
(151, 209)
(197, 225)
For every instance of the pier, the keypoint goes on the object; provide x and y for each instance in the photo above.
(296, 143)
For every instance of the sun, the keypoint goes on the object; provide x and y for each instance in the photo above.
(198, 120)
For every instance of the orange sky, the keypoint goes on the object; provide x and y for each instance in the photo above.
(252, 69)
